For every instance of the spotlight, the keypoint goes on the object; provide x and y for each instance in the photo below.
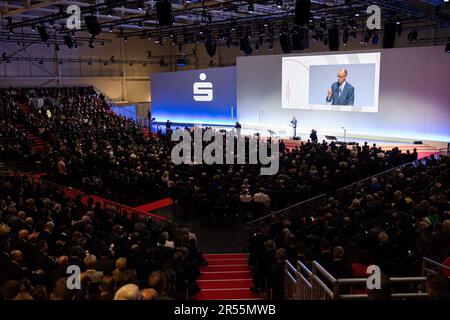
(125, 39)
(279, 4)
(91, 44)
(140, 5)
(33, 28)
(447, 47)
(251, 8)
(111, 28)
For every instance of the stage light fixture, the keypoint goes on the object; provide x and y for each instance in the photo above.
(111, 28)
(447, 47)
(33, 28)
(140, 5)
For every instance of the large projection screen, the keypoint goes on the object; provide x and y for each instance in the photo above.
(307, 79)
(414, 100)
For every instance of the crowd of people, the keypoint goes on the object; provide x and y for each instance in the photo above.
(42, 233)
(101, 153)
(391, 223)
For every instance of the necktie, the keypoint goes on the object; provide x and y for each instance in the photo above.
(340, 90)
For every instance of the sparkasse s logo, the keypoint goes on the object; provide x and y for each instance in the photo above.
(203, 91)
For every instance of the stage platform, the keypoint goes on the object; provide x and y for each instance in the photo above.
(385, 143)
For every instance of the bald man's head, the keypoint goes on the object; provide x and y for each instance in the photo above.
(149, 294)
(342, 75)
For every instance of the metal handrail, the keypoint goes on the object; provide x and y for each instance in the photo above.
(106, 202)
(324, 272)
(317, 286)
(110, 203)
(285, 209)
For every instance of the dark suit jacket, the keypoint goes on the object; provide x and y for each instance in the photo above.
(276, 280)
(347, 97)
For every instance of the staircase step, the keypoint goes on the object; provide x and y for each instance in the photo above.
(221, 262)
(233, 294)
(227, 284)
(232, 275)
(224, 256)
(224, 268)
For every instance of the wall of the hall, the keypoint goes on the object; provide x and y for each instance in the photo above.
(414, 100)
(132, 83)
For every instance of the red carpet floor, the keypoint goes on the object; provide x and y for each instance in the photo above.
(227, 277)
(155, 205)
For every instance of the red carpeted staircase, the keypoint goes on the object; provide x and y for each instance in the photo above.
(37, 144)
(227, 277)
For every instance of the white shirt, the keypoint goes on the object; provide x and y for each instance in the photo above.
(341, 87)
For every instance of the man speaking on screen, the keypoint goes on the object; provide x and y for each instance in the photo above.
(341, 92)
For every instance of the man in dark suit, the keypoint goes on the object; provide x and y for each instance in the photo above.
(341, 92)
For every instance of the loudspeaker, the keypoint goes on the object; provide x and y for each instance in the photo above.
(92, 25)
(302, 12)
(68, 41)
(333, 38)
(300, 40)
(43, 33)
(244, 45)
(285, 43)
(210, 47)
(418, 142)
(389, 33)
(164, 12)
